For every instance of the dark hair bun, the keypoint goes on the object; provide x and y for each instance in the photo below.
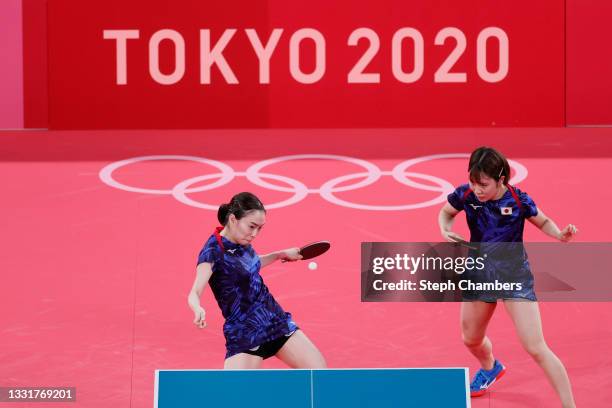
(223, 213)
(239, 205)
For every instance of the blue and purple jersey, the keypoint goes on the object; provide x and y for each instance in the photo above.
(252, 316)
(497, 224)
(500, 220)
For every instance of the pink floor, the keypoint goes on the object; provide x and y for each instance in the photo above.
(94, 278)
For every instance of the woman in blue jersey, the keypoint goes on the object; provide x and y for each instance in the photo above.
(256, 327)
(496, 214)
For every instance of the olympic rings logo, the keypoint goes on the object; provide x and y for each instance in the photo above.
(299, 190)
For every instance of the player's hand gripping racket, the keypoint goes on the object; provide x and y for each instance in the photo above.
(313, 250)
(462, 242)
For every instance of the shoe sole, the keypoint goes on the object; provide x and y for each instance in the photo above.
(480, 393)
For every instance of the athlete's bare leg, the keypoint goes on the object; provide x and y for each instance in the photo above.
(475, 317)
(528, 323)
(243, 361)
(300, 352)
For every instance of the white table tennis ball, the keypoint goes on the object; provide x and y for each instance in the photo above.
(312, 266)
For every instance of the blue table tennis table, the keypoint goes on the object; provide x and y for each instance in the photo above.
(327, 388)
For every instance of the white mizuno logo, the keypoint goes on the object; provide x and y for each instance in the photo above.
(231, 251)
(475, 206)
(487, 384)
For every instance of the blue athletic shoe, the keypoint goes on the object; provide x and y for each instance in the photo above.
(485, 378)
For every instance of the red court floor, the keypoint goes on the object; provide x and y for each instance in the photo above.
(96, 265)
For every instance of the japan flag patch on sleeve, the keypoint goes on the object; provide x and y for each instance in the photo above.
(506, 210)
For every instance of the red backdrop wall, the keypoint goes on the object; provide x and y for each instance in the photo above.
(589, 86)
(35, 83)
(84, 90)
(589, 62)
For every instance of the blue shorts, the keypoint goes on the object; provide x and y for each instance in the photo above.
(517, 278)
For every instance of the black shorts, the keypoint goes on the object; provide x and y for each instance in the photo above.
(270, 348)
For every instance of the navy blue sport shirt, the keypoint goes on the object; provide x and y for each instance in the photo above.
(252, 316)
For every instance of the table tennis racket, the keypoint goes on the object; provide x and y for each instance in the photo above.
(462, 242)
(314, 249)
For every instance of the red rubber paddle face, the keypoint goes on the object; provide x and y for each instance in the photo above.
(315, 249)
